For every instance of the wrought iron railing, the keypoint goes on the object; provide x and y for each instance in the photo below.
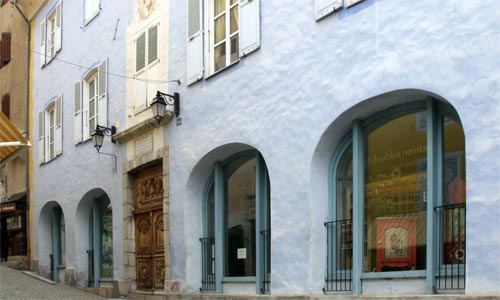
(207, 264)
(90, 267)
(266, 280)
(51, 258)
(451, 247)
(339, 256)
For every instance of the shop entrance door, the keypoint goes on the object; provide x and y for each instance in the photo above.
(150, 255)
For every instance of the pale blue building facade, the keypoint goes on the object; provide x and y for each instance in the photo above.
(299, 89)
(78, 83)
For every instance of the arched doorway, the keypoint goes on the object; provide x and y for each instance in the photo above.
(95, 226)
(52, 241)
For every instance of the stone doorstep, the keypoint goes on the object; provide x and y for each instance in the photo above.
(41, 278)
(203, 296)
(102, 291)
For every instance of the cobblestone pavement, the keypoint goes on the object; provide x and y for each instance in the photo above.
(14, 285)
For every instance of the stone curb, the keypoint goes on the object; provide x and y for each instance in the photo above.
(36, 276)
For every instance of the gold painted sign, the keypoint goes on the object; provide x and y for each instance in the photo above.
(11, 207)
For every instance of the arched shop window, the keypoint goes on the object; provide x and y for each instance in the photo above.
(236, 242)
(398, 199)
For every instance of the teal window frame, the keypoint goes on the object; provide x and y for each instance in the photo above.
(435, 112)
(218, 180)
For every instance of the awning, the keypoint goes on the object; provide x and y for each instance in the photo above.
(10, 138)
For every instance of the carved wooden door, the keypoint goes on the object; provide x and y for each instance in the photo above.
(150, 257)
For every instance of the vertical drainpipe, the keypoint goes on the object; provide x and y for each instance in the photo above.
(27, 163)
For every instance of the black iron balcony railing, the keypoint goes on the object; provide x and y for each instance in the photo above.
(51, 258)
(339, 256)
(451, 247)
(90, 267)
(266, 241)
(207, 264)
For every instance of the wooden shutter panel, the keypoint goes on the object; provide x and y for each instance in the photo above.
(43, 39)
(249, 26)
(326, 7)
(41, 138)
(348, 3)
(78, 121)
(5, 48)
(102, 102)
(58, 37)
(59, 126)
(152, 44)
(6, 105)
(194, 41)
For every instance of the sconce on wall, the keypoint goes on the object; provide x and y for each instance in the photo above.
(99, 133)
(160, 102)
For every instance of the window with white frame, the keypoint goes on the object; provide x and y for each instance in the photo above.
(147, 68)
(91, 106)
(326, 7)
(51, 34)
(92, 8)
(50, 131)
(220, 32)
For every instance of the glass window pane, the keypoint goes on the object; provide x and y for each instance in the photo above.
(220, 57)
(220, 28)
(91, 89)
(219, 6)
(239, 218)
(234, 48)
(453, 212)
(107, 243)
(233, 2)
(233, 20)
(210, 212)
(344, 211)
(91, 126)
(91, 108)
(395, 196)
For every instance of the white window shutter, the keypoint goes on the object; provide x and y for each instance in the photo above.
(152, 86)
(194, 41)
(43, 39)
(326, 7)
(102, 102)
(249, 26)
(59, 126)
(152, 44)
(140, 52)
(140, 90)
(58, 37)
(41, 138)
(349, 3)
(78, 121)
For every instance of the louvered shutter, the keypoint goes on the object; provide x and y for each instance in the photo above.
(41, 138)
(59, 126)
(140, 52)
(194, 41)
(152, 44)
(58, 37)
(102, 102)
(249, 26)
(349, 3)
(43, 39)
(78, 121)
(326, 7)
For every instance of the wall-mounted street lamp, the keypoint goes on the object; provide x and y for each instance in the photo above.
(99, 133)
(160, 102)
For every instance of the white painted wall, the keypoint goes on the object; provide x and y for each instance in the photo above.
(296, 97)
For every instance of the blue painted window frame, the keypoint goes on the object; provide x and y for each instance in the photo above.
(217, 180)
(435, 111)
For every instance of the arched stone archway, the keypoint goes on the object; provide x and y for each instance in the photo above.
(94, 248)
(52, 246)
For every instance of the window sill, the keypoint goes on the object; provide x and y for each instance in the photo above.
(91, 18)
(50, 160)
(246, 279)
(138, 111)
(221, 70)
(394, 275)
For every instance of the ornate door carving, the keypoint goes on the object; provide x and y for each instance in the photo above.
(150, 257)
